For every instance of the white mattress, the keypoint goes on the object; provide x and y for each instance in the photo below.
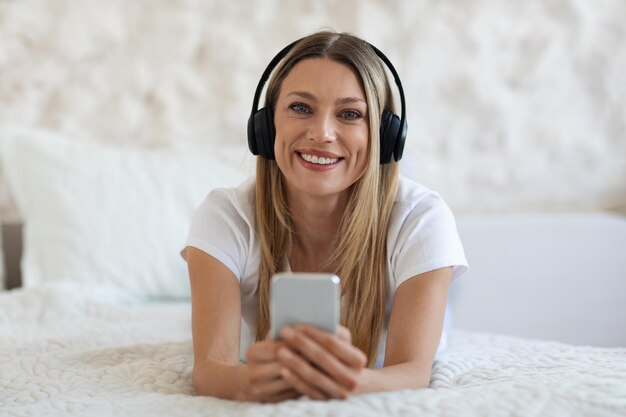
(75, 351)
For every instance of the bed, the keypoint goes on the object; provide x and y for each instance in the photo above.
(101, 325)
(68, 351)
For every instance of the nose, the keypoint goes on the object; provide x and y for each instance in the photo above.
(323, 128)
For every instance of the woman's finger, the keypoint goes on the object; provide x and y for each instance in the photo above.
(290, 394)
(271, 388)
(264, 383)
(344, 334)
(264, 351)
(307, 378)
(325, 359)
(344, 351)
(263, 373)
(302, 387)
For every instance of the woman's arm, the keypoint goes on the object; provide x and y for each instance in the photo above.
(413, 336)
(216, 321)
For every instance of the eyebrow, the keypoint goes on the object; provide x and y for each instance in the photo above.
(343, 100)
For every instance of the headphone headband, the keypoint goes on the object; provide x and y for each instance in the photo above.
(261, 124)
(396, 78)
(268, 71)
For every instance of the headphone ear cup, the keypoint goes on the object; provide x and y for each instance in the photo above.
(389, 129)
(264, 133)
(252, 143)
(399, 148)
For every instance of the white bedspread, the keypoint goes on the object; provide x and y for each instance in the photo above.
(69, 351)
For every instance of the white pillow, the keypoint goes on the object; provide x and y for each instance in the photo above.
(115, 215)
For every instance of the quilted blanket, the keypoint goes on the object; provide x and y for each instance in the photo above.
(67, 350)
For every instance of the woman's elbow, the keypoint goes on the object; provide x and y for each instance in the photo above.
(199, 382)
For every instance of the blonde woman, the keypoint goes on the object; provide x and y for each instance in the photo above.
(327, 197)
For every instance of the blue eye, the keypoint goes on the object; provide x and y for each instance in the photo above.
(351, 115)
(300, 108)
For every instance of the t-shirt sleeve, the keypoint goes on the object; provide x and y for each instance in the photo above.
(427, 240)
(219, 229)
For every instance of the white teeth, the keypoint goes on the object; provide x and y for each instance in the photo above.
(318, 160)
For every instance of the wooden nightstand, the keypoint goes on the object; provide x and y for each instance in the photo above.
(12, 253)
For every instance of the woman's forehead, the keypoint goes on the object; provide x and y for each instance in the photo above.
(323, 76)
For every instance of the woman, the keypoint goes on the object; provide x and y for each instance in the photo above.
(326, 203)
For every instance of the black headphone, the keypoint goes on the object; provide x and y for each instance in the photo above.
(262, 133)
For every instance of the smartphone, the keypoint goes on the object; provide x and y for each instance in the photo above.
(304, 298)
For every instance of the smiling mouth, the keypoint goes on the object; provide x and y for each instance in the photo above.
(318, 160)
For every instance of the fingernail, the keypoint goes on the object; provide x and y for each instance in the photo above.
(286, 332)
(284, 353)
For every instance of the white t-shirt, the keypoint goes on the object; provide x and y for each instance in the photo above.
(422, 237)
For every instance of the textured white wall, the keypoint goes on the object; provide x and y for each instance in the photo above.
(512, 106)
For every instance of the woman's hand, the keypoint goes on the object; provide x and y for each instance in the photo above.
(318, 364)
(263, 381)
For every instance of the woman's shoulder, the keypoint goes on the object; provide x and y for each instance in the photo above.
(239, 198)
(417, 209)
(422, 234)
(412, 196)
(223, 225)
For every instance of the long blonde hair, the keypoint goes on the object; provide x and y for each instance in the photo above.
(360, 255)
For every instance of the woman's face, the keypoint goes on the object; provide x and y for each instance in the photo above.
(322, 128)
